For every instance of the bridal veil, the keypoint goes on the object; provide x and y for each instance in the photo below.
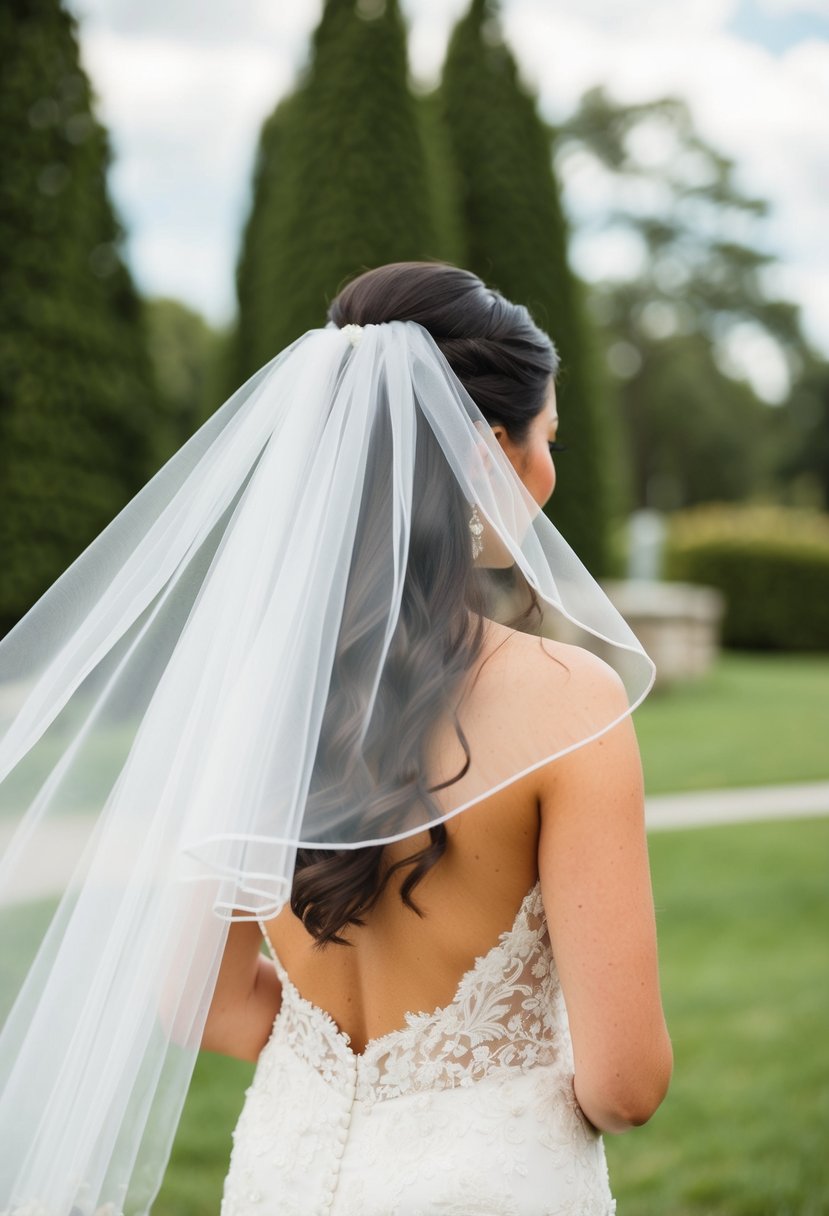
(199, 695)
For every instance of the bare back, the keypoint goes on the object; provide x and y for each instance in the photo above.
(575, 825)
(399, 962)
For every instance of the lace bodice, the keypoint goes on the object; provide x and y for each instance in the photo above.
(474, 1099)
(506, 1013)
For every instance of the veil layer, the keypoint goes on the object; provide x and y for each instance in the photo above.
(231, 672)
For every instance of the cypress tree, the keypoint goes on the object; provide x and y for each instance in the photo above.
(256, 285)
(517, 238)
(184, 349)
(442, 180)
(341, 181)
(75, 383)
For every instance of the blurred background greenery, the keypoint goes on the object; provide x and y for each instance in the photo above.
(743, 914)
(98, 387)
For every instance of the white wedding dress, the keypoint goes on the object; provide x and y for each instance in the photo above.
(468, 1110)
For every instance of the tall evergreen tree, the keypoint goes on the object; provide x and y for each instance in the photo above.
(443, 180)
(517, 240)
(341, 181)
(184, 351)
(257, 286)
(76, 411)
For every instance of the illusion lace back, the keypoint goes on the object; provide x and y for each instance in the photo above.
(468, 1110)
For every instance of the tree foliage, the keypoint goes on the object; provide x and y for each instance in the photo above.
(700, 234)
(340, 183)
(696, 429)
(186, 355)
(801, 438)
(443, 180)
(516, 240)
(694, 435)
(76, 396)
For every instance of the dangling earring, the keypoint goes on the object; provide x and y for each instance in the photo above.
(476, 528)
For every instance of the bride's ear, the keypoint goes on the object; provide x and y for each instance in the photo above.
(498, 431)
(484, 443)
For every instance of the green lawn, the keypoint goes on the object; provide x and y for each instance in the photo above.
(744, 923)
(754, 720)
(743, 916)
(193, 1184)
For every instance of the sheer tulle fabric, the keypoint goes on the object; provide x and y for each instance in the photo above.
(164, 742)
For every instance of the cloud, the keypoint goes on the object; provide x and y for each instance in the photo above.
(430, 23)
(783, 8)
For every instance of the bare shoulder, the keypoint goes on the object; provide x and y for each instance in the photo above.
(560, 675)
(603, 767)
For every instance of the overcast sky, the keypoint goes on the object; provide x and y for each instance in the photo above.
(183, 86)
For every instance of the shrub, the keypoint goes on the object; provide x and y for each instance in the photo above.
(770, 563)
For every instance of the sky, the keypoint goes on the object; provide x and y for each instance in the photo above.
(183, 87)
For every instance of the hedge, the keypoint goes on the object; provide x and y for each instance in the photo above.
(770, 563)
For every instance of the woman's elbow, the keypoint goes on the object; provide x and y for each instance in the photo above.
(627, 1098)
(647, 1092)
(643, 1105)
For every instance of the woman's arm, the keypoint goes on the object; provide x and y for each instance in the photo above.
(246, 998)
(596, 888)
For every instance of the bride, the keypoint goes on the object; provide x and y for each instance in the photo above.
(335, 732)
(541, 893)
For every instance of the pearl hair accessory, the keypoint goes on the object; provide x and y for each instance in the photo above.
(353, 332)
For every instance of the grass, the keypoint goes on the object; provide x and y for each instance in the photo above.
(743, 915)
(744, 922)
(201, 1153)
(754, 720)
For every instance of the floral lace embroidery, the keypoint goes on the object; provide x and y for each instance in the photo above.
(507, 1013)
(485, 1120)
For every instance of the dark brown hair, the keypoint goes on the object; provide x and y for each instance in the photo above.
(505, 362)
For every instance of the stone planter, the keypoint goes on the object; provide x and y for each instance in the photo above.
(677, 623)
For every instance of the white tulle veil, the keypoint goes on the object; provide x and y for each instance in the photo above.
(201, 693)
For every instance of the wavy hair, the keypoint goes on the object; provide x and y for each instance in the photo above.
(505, 362)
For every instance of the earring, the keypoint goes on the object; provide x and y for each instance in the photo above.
(476, 528)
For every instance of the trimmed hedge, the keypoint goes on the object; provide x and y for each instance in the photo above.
(771, 564)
